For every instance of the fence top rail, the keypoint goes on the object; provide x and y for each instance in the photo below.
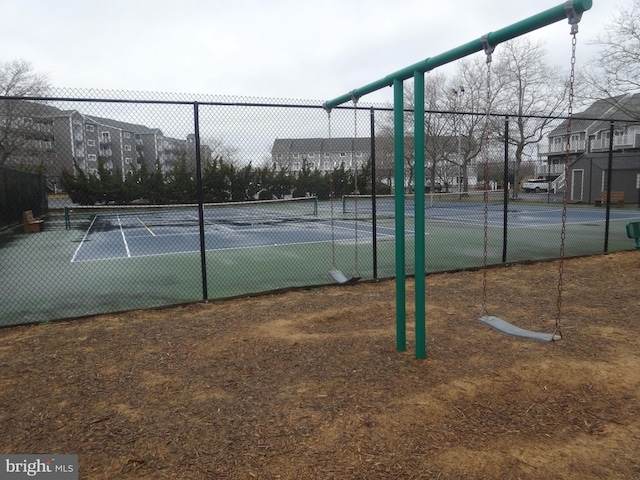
(577, 116)
(571, 9)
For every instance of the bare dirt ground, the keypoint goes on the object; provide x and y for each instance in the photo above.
(308, 384)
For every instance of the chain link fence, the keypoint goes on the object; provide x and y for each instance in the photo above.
(157, 199)
(20, 191)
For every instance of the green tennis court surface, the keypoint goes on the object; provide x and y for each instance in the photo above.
(82, 268)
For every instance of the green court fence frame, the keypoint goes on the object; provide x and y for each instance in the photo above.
(571, 10)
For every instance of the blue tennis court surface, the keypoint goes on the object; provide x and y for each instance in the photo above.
(115, 236)
(532, 216)
(118, 241)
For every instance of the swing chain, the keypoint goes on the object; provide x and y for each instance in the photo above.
(488, 50)
(355, 177)
(333, 237)
(574, 42)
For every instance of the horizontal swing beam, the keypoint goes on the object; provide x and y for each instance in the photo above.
(523, 27)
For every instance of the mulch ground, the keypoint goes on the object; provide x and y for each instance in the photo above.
(308, 384)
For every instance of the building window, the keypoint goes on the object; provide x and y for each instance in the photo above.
(343, 154)
(327, 154)
(92, 157)
(295, 155)
(106, 137)
(358, 154)
(91, 143)
(312, 155)
(127, 148)
(90, 128)
(127, 135)
(127, 160)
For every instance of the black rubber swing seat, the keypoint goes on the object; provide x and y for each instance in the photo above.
(340, 277)
(509, 329)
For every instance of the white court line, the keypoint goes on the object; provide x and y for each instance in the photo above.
(73, 259)
(124, 239)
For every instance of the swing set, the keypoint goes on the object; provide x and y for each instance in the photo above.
(571, 10)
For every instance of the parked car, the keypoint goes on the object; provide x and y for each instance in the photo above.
(427, 186)
(536, 185)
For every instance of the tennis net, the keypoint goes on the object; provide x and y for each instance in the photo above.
(265, 212)
(385, 204)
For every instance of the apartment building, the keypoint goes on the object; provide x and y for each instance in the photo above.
(320, 153)
(442, 155)
(34, 134)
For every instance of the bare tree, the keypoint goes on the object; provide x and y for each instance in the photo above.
(471, 76)
(436, 126)
(527, 85)
(18, 79)
(452, 134)
(615, 70)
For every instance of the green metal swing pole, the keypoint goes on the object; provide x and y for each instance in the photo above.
(419, 161)
(398, 153)
(571, 10)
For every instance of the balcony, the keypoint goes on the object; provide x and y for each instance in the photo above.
(558, 148)
(620, 142)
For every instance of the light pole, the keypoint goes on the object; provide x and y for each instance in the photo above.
(458, 92)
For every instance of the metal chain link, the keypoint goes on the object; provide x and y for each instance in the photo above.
(333, 237)
(353, 150)
(574, 42)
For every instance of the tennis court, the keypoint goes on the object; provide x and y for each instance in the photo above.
(143, 257)
(125, 232)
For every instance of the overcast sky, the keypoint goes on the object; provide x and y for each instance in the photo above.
(296, 49)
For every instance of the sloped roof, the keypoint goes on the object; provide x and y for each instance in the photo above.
(127, 127)
(29, 108)
(606, 109)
